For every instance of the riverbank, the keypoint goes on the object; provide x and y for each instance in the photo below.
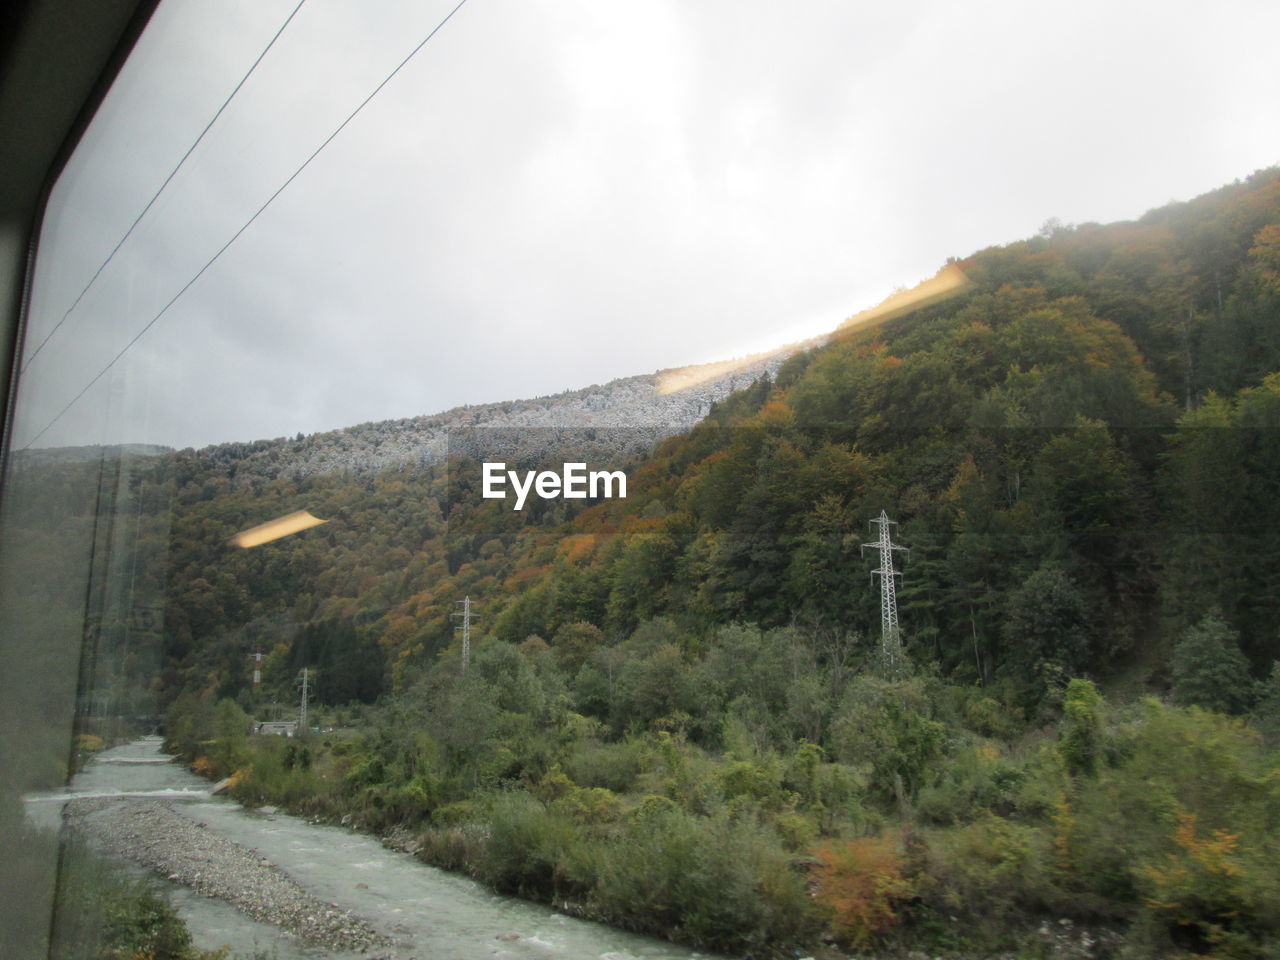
(159, 814)
(183, 851)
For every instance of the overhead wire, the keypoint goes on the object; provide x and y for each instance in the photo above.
(223, 249)
(167, 180)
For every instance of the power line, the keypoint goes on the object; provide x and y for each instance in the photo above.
(156, 196)
(236, 236)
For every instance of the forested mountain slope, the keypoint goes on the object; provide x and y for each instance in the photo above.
(676, 713)
(1084, 428)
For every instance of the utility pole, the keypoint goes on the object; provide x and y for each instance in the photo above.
(890, 640)
(465, 603)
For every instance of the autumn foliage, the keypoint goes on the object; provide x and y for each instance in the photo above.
(668, 698)
(861, 882)
(1201, 879)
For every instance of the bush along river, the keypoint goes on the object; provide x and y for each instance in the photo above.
(266, 882)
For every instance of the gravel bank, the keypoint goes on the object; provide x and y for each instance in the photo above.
(153, 833)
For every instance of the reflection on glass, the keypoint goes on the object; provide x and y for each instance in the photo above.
(661, 709)
(284, 526)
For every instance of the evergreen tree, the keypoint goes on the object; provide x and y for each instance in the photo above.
(1209, 670)
(1266, 712)
(1047, 624)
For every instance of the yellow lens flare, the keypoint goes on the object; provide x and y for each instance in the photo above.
(946, 283)
(686, 378)
(290, 523)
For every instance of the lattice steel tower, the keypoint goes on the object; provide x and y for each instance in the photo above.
(305, 683)
(890, 640)
(465, 603)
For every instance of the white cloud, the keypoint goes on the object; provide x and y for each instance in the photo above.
(556, 193)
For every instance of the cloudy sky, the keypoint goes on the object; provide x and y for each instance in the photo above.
(554, 193)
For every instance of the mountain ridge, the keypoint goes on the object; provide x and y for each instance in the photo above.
(649, 406)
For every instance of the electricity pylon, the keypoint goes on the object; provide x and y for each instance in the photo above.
(256, 657)
(890, 640)
(305, 683)
(465, 603)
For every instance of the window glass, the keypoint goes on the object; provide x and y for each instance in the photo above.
(339, 461)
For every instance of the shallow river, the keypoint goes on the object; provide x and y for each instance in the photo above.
(432, 914)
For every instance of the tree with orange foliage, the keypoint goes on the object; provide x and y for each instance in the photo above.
(861, 883)
(1202, 881)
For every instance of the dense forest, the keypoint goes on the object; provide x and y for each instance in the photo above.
(678, 712)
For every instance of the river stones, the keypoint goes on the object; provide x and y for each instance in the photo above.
(151, 832)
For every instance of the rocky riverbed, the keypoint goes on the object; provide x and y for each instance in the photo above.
(181, 850)
(262, 882)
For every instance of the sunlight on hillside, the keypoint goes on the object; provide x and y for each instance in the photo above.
(946, 283)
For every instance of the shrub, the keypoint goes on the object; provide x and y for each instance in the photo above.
(451, 848)
(140, 924)
(1207, 884)
(104, 915)
(976, 779)
(367, 771)
(1183, 825)
(614, 766)
(1200, 880)
(527, 848)
(716, 883)
(203, 766)
(1082, 728)
(409, 803)
(796, 830)
(989, 870)
(743, 778)
(986, 716)
(886, 725)
(590, 806)
(861, 882)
